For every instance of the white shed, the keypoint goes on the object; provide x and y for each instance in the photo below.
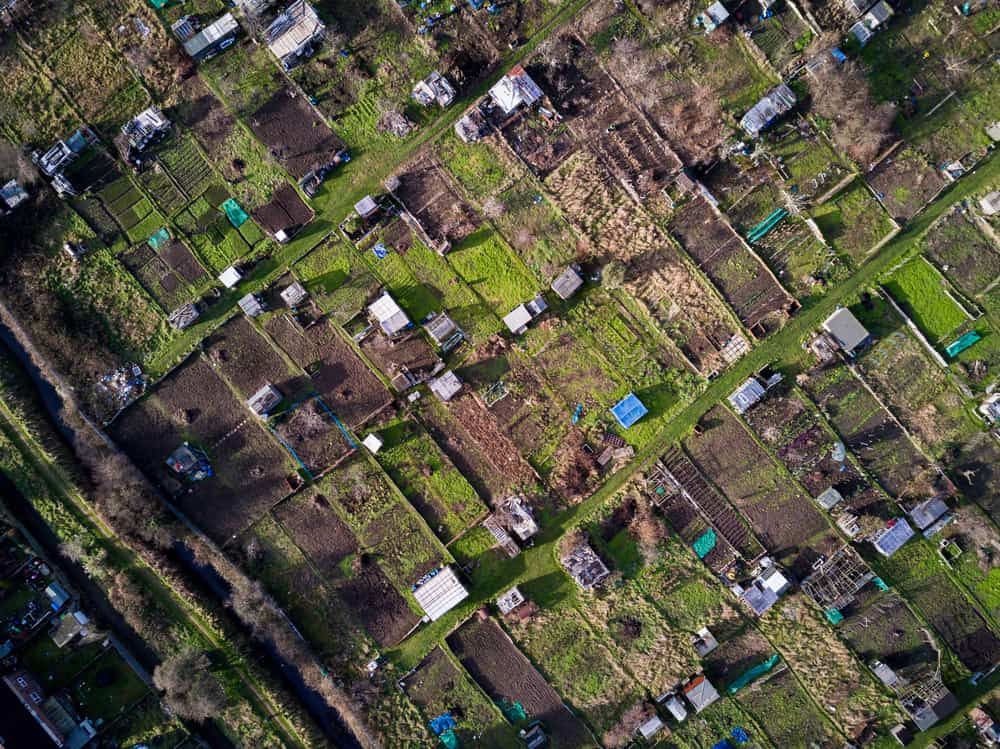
(230, 277)
(440, 593)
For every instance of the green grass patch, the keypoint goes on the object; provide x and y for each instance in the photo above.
(489, 266)
(854, 222)
(921, 292)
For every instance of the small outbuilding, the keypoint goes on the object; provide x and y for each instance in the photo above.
(629, 410)
(230, 277)
(11, 196)
(847, 331)
(439, 592)
(366, 208)
(264, 401)
(829, 498)
(714, 16)
(891, 539)
(775, 104)
(925, 514)
(373, 442)
(294, 294)
(183, 317)
(145, 129)
(518, 318)
(447, 386)
(649, 728)
(567, 283)
(510, 600)
(58, 596)
(746, 395)
(704, 642)
(674, 706)
(515, 90)
(211, 40)
(252, 306)
(700, 693)
(585, 567)
(389, 315)
(989, 204)
(434, 89)
(291, 35)
(443, 331)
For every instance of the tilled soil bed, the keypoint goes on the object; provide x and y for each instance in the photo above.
(504, 673)
(383, 611)
(294, 134)
(317, 530)
(310, 431)
(249, 361)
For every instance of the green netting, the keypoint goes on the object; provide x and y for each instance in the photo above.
(449, 739)
(512, 711)
(962, 343)
(236, 215)
(705, 543)
(160, 237)
(834, 616)
(759, 670)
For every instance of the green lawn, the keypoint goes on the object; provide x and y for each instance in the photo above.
(488, 265)
(920, 290)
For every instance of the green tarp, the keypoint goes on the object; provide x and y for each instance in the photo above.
(834, 616)
(159, 4)
(236, 215)
(512, 711)
(159, 239)
(880, 584)
(705, 543)
(757, 671)
(449, 739)
(962, 343)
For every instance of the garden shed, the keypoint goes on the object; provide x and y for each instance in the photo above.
(211, 40)
(777, 102)
(927, 512)
(629, 410)
(434, 89)
(847, 331)
(515, 90)
(230, 277)
(585, 567)
(890, 539)
(439, 593)
(294, 295)
(447, 386)
(389, 315)
(183, 317)
(700, 693)
(568, 282)
(252, 306)
(291, 35)
(264, 400)
(746, 395)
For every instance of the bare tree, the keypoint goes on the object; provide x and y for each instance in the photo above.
(861, 126)
(190, 689)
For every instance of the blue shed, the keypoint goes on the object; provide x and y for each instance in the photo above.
(629, 410)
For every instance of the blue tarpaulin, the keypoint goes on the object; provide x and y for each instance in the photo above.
(739, 735)
(724, 744)
(629, 410)
(442, 723)
(159, 238)
(380, 251)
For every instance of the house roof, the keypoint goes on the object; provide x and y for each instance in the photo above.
(389, 315)
(890, 540)
(700, 693)
(446, 386)
(629, 410)
(845, 329)
(515, 89)
(567, 282)
(230, 277)
(746, 395)
(440, 594)
(293, 29)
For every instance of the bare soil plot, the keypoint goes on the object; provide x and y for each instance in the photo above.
(917, 570)
(601, 118)
(294, 134)
(881, 627)
(339, 375)
(318, 530)
(411, 352)
(788, 523)
(248, 361)
(193, 403)
(803, 443)
(758, 299)
(906, 183)
(182, 261)
(383, 611)
(542, 145)
(310, 432)
(708, 503)
(656, 275)
(425, 190)
(962, 252)
(977, 472)
(438, 686)
(202, 113)
(503, 672)
(386, 526)
(869, 432)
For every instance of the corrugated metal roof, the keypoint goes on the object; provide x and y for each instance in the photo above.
(440, 594)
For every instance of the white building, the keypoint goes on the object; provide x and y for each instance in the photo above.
(515, 90)
(439, 593)
(388, 314)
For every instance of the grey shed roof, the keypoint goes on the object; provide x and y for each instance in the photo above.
(446, 386)
(890, 540)
(746, 395)
(389, 315)
(218, 29)
(829, 499)
(845, 329)
(251, 306)
(295, 294)
(759, 597)
(925, 513)
(775, 103)
(567, 283)
(440, 328)
(700, 693)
